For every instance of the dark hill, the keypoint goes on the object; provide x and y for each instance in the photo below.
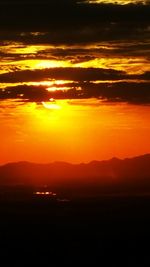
(113, 175)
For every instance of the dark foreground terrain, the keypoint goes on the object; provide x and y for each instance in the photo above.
(104, 231)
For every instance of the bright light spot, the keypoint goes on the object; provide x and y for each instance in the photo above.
(58, 82)
(43, 193)
(45, 64)
(54, 88)
(50, 105)
(120, 2)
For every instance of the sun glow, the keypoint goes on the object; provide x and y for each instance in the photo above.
(62, 127)
(51, 105)
(32, 64)
(54, 89)
(45, 64)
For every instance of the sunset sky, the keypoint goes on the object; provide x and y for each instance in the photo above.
(74, 80)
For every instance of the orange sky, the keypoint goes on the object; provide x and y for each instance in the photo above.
(74, 87)
(77, 130)
(73, 131)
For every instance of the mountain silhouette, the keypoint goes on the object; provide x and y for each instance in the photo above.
(114, 175)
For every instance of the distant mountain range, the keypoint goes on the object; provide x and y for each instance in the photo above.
(114, 175)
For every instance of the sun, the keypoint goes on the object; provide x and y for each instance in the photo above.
(51, 105)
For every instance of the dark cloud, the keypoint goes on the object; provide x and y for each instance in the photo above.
(75, 74)
(68, 22)
(131, 92)
(123, 28)
(111, 49)
(27, 93)
(145, 76)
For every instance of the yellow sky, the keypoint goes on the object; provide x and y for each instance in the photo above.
(26, 57)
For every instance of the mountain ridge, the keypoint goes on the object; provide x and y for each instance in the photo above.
(85, 163)
(129, 174)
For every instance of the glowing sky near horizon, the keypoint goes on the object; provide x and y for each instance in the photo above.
(74, 88)
(77, 131)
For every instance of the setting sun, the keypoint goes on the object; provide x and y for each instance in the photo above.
(74, 133)
(51, 105)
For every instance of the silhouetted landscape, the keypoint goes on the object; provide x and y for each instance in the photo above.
(74, 133)
(114, 176)
(100, 218)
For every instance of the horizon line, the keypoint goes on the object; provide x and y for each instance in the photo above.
(72, 163)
